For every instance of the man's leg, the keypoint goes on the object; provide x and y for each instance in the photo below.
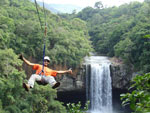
(33, 78)
(31, 81)
(51, 80)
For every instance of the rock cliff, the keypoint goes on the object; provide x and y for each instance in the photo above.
(121, 75)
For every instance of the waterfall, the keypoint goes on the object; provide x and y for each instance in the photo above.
(98, 84)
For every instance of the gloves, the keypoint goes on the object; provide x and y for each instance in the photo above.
(20, 57)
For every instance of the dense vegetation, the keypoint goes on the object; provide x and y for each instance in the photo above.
(139, 96)
(120, 31)
(66, 41)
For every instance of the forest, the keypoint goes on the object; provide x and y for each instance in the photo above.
(122, 32)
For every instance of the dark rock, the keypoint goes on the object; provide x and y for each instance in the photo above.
(121, 76)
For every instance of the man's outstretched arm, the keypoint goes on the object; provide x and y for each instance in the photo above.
(25, 60)
(66, 71)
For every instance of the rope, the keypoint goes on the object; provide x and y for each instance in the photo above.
(45, 34)
(45, 31)
(44, 12)
(38, 15)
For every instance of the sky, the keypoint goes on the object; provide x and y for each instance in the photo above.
(85, 3)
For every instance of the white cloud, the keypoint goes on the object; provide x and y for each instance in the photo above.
(84, 3)
(118, 2)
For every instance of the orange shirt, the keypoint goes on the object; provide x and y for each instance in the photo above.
(47, 71)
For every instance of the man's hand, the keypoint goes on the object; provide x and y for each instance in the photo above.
(70, 71)
(20, 57)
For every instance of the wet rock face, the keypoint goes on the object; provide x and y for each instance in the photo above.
(121, 76)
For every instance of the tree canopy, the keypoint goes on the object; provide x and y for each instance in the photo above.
(120, 31)
(66, 42)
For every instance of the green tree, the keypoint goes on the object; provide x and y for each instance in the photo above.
(98, 5)
(20, 30)
(109, 28)
(76, 108)
(123, 49)
(139, 97)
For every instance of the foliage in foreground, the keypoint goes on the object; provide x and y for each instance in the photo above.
(139, 97)
(76, 108)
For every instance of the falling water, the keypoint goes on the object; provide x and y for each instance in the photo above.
(98, 84)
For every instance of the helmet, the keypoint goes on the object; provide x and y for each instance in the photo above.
(46, 58)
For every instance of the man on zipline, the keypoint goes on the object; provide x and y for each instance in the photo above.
(42, 76)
